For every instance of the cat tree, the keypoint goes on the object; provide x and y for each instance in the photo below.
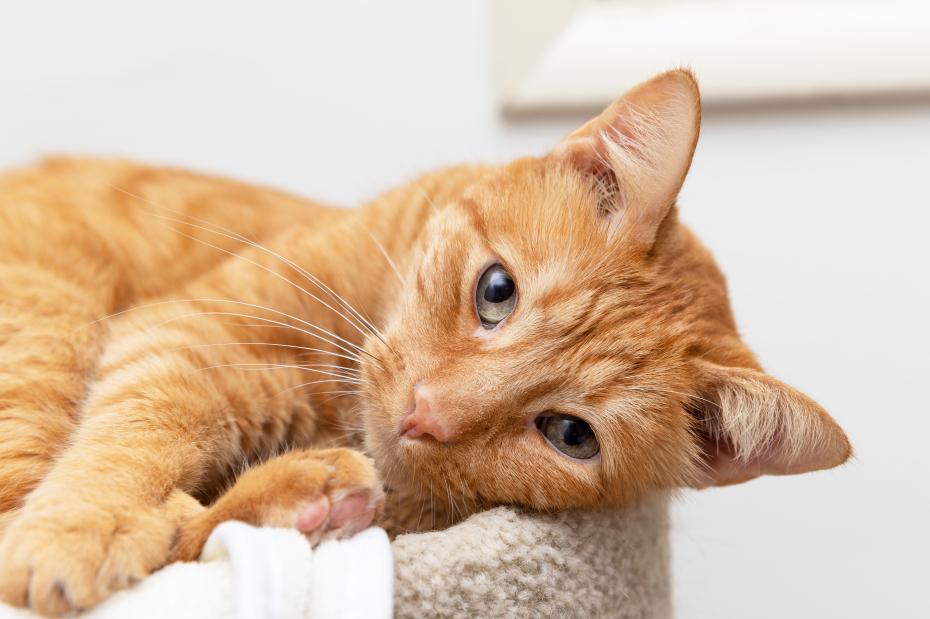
(510, 563)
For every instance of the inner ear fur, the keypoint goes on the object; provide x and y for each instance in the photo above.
(638, 151)
(750, 424)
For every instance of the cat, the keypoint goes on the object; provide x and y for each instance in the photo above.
(178, 350)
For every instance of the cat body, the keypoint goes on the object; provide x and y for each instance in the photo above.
(178, 350)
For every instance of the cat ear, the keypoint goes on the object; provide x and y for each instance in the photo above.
(750, 424)
(639, 150)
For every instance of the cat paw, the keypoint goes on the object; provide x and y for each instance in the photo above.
(347, 502)
(324, 494)
(68, 557)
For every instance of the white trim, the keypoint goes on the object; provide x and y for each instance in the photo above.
(580, 53)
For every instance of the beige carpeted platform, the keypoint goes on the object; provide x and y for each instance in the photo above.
(510, 563)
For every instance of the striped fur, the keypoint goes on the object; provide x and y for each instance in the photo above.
(161, 332)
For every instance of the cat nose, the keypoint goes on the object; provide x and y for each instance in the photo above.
(425, 419)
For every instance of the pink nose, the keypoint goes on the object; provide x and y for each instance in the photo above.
(425, 420)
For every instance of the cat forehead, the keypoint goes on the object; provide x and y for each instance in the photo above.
(568, 298)
(536, 197)
(541, 222)
(536, 213)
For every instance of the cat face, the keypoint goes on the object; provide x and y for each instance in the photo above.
(562, 341)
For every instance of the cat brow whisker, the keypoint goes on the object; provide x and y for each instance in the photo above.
(429, 200)
(387, 256)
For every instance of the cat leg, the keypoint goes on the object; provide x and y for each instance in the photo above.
(325, 494)
(173, 409)
(107, 512)
(49, 346)
(123, 547)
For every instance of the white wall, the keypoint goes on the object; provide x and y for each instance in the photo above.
(819, 215)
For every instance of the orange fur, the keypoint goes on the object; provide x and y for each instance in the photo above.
(147, 352)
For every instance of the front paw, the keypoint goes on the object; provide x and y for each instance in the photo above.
(325, 494)
(69, 556)
(352, 497)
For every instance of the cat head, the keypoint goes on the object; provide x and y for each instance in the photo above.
(561, 340)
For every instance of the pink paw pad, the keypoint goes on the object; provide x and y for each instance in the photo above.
(352, 513)
(311, 516)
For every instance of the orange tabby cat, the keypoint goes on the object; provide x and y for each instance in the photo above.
(544, 333)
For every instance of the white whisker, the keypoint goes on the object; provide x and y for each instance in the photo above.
(342, 395)
(266, 309)
(307, 350)
(231, 234)
(315, 382)
(351, 354)
(264, 268)
(276, 366)
(386, 257)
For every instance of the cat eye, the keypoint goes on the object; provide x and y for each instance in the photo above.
(570, 435)
(495, 296)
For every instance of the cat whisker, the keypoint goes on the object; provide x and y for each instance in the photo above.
(292, 317)
(310, 353)
(274, 274)
(419, 498)
(278, 366)
(264, 268)
(338, 369)
(341, 394)
(320, 382)
(429, 200)
(432, 509)
(271, 321)
(387, 257)
(269, 326)
(451, 501)
(309, 350)
(349, 427)
(306, 349)
(231, 234)
(306, 274)
(351, 373)
(252, 305)
(467, 501)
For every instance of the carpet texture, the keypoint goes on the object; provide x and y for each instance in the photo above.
(510, 563)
